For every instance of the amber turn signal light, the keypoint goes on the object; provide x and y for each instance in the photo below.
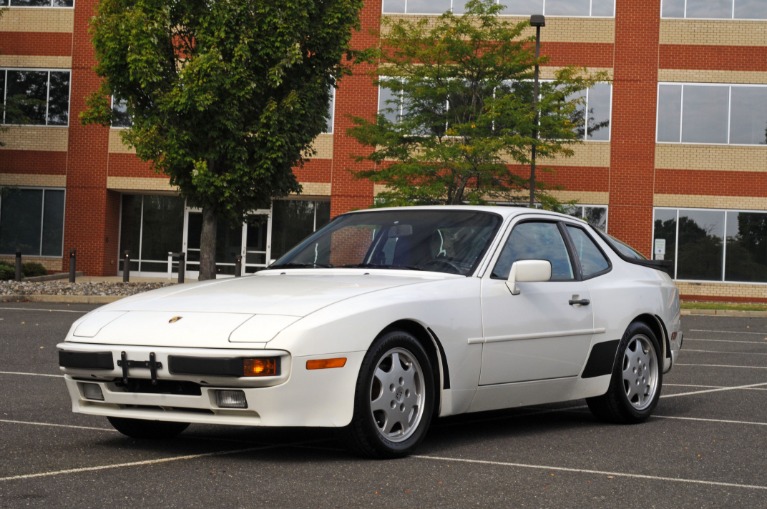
(260, 367)
(337, 362)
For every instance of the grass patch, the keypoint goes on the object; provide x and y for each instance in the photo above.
(728, 306)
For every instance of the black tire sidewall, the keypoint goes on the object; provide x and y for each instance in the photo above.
(363, 428)
(617, 391)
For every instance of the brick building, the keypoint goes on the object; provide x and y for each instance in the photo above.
(681, 173)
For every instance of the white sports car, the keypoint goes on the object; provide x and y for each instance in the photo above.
(383, 320)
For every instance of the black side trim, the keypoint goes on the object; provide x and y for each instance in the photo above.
(213, 366)
(86, 360)
(601, 359)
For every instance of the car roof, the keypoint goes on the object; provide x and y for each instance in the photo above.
(505, 211)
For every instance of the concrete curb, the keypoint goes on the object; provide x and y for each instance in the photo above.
(724, 312)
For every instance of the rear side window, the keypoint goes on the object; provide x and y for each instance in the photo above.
(535, 241)
(591, 258)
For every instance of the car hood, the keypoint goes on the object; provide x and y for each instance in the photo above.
(227, 313)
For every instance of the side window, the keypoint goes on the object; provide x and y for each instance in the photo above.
(535, 241)
(592, 260)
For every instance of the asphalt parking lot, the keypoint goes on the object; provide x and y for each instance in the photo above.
(705, 447)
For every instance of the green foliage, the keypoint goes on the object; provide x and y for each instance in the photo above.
(32, 269)
(7, 272)
(225, 97)
(461, 109)
(28, 269)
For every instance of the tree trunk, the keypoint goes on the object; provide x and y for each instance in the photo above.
(208, 245)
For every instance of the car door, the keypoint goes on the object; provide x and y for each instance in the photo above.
(544, 331)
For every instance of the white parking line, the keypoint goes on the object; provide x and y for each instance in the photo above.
(718, 421)
(30, 374)
(592, 472)
(30, 423)
(45, 310)
(133, 464)
(718, 389)
(720, 366)
(686, 350)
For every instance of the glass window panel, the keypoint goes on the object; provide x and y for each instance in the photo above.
(26, 97)
(228, 246)
(750, 9)
(746, 247)
(428, 6)
(58, 99)
(592, 260)
(701, 245)
(665, 231)
(522, 7)
(389, 104)
(535, 241)
(670, 113)
(748, 115)
(20, 221)
(163, 227)
(394, 6)
(603, 8)
(2, 97)
(711, 9)
(596, 217)
(53, 223)
(567, 7)
(63, 3)
(331, 111)
(704, 116)
(292, 221)
(599, 112)
(459, 6)
(673, 9)
(31, 3)
(120, 116)
(322, 214)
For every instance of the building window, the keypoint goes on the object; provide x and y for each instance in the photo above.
(718, 114)
(293, 220)
(712, 245)
(595, 215)
(35, 97)
(714, 9)
(591, 119)
(150, 227)
(37, 3)
(31, 221)
(579, 8)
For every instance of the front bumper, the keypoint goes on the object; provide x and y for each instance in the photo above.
(294, 397)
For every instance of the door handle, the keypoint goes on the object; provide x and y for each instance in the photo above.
(576, 301)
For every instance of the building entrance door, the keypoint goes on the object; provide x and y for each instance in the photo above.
(249, 243)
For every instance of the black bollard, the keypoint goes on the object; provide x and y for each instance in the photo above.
(181, 266)
(238, 266)
(126, 266)
(19, 271)
(72, 264)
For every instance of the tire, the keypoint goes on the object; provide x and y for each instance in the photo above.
(636, 380)
(394, 398)
(140, 428)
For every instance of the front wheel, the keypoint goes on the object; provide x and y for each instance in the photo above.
(636, 379)
(394, 398)
(140, 428)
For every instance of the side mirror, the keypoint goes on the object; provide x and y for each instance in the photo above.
(528, 271)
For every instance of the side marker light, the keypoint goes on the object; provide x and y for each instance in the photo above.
(337, 362)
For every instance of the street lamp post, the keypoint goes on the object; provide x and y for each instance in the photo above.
(537, 21)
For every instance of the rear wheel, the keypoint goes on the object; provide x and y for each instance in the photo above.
(636, 379)
(140, 428)
(394, 398)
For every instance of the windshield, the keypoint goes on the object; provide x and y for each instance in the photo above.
(450, 241)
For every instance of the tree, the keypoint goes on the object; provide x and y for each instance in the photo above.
(225, 96)
(457, 108)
